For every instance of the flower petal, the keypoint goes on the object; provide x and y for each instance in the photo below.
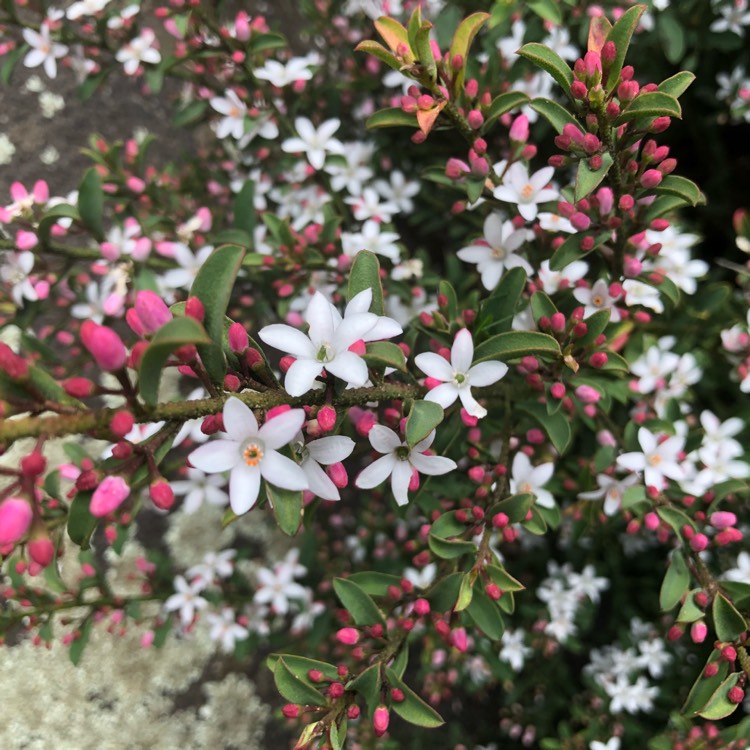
(349, 367)
(434, 366)
(400, 479)
(319, 482)
(444, 395)
(239, 420)
(300, 377)
(376, 473)
(359, 303)
(330, 450)
(431, 465)
(353, 328)
(282, 429)
(472, 406)
(287, 339)
(462, 351)
(218, 455)
(384, 439)
(487, 373)
(281, 471)
(244, 484)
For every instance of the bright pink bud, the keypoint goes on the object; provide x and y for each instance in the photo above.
(722, 519)
(459, 639)
(338, 475)
(651, 178)
(580, 221)
(578, 90)
(122, 423)
(632, 267)
(609, 53)
(26, 240)
(698, 631)
(422, 607)
(380, 720)
(290, 710)
(519, 130)
(574, 133)
(592, 63)
(736, 694)
(327, 418)
(476, 474)
(591, 143)
(587, 395)
(238, 338)
(652, 521)
(557, 391)
(455, 169)
(348, 636)
(475, 119)
(161, 494)
(108, 496)
(194, 309)
(660, 124)
(104, 345)
(728, 536)
(699, 542)
(15, 519)
(557, 322)
(152, 310)
(606, 199)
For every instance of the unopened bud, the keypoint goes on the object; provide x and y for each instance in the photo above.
(15, 520)
(380, 720)
(108, 496)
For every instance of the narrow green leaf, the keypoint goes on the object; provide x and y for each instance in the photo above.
(555, 114)
(651, 104)
(447, 526)
(380, 354)
(595, 326)
(176, 333)
(503, 579)
(517, 344)
(337, 734)
(704, 687)
(413, 709)
(588, 180)
(445, 288)
(81, 523)
(498, 310)
(400, 663)
(299, 666)
(293, 689)
(365, 274)
(664, 204)
(516, 507)
(91, 203)
(547, 10)
(549, 61)
(739, 592)
(465, 594)
(599, 28)
(571, 250)
(243, 211)
(423, 418)
(378, 50)
(461, 42)
(393, 33)
(675, 518)
(412, 30)
(367, 684)
(502, 104)
(542, 305)
(393, 117)
(444, 594)
(190, 114)
(686, 189)
(359, 604)
(375, 583)
(287, 508)
(621, 33)
(449, 550)
(486, 615)
(79, 644)
(677, 84)
(719, 706)
(672, 36)
(213, 286)
(675, 583)
(728, 622)
(690, 611)
(423, 50)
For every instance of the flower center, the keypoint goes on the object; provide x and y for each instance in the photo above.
(324, 352)
(527, 192)
(460, 379)
(253, 452)
(597, 300)
(498, 253)
(525, 487)
(402, 453)
(654, 459)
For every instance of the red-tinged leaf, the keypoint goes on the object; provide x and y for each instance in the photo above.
(426, 118)
(599, 28)
(394, 117)
(378, 50)
(461, 42)
(394, 35)
(621, 34)
(548, 60)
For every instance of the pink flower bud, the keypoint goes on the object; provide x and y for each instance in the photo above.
(238, 338)
(380, 720)
(459, 639)
(40, 547)
(519, 130)
(327, 418)
(722, 519)
(108, 496)
(422, 607)
(652, 521)
(609, 53)
(699, 542)
(574, 133)
(632, 267)
(580, 221)
(338, 475)
(728, 536)
(660, 124)
(104, 345)
(650, 178)
(348, 636)
(15, 519)
(557, 322)
(587, 395)
(455, 169)
(606, 199)
(152, 310)
(557, 391)
(592, 63)
(475, 119)
(194, 309)
(578, 90)
(161, 494)
(736, 694)
(698, 631)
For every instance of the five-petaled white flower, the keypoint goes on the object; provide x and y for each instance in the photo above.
(610, 490)
(400, 462)
(527, 478)
(503, 239)
(186, 600)
(598, 298)
(234, 110)
(659, 460)
(282, 74)
(225, 629)
(526, 191)
(458, 376)
(326, 451)
(85, 8)
(43, 50)
(327, 342)
(251, 453)
(315, 143)
(277, 586)
(138, 50)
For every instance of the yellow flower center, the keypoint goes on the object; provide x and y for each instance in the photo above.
(527, 191)
(253, 454)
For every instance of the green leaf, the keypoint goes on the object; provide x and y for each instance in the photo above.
(359, 604)
(380, 354)
(548, 60)
(599, 27)
(675, 518)
(365, 274)
(547, 10)
(91, 203)
(337, 734)
(171, 336)
(243, 210)
(675, 583)
(375, 583)
(400, 663)
(650, 104)
(486, 615)
(517, 344)
(79, 644)
(445, 288)
(465, 593)
(686, 189)
(621, 33)
(501, 104)
(728, 622)
(555, 114)
(664, 204)
(413, 709)
(690, 611)
(293, 689)
(444, 593)
(498, 310)
(367, 684)
(190, 114)
(449, 550)
(571, 250)
(719, 706)
(671, 36)
(213, 286)
(595, 326)
(393, 33)
(423, 50)
(10, 61)
(516, 507)
(542, 305)
(287, 508)
(704, 687)
(503, 579)
(461, 42)
(299, 666)
(423, 418)
(448, 525)
(378, 50)
(81, 523)
(739, 591)
(677, 84)
(556, 426)
(394, 117)
(587, 180)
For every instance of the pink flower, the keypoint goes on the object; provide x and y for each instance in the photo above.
(15, 519)
(104, 345)
(108, 496)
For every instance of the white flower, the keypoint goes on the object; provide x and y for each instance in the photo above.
(282, 74)
(399, 462)
(14, 272)
(214, 565)
(503, 239)
(368, 205)
(399, 191)
(587, 583)
(526, 191)
(555, 223)
(597, 298)
(201, 488)
(458, 376)
(315, 143)
(352, 170)
(43, 50)
(613, 743)
(325, 346)
(658, 460)
(509, 45)
(552, 281)
(225, 629)
(85, 8)
(373, 239)
(559, 41)
(631, 698)
(423, 578)
(188, 265)
(653, 367)
(7, 149)
(326, 451)
(138, 50)
(234, 110)
(186, 600)
(514, 651)
(277, 586)
(741, 573)
(528, 478)
(638, 293)
(735, 17)
(611, 490)
(251, 453)
(720, 434)
(653, 656)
